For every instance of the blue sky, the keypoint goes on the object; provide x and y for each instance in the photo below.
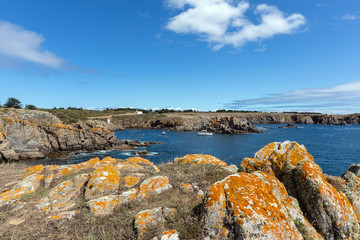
(301, 55)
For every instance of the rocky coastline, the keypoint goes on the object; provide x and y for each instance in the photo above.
(280, 193)
(31, 134)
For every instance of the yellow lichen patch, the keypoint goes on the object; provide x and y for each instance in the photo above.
(170, 235)
(128, 196)
(108, 160)
(99, 130)
(62, 126)
(129, 167)
(138, 160)
(131, 180)
(266, 151)
(33, 170)
(92, 163)
(200, 159)
(27, 185)
(153, 186)
(250, 165)
(104, 205)
(52, 168)
(103, 181)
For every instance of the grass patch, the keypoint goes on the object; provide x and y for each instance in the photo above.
(36, 195)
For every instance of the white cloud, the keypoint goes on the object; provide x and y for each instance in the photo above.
(350, 17)
(344, 97)
(223, 22)
(21, 44)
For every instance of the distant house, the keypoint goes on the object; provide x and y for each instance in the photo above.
(138, 112)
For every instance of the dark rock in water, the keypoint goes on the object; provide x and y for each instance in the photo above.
(290, 125)
(142, 152)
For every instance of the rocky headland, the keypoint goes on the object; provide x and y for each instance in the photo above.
(31, 134)
(280, 193)
(233, 123)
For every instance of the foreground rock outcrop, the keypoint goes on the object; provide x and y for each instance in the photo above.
(281, 193)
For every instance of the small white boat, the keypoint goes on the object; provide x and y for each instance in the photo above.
(163, 133)
(204, 133)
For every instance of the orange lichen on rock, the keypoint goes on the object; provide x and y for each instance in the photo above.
(153, 186)
(103, 181)
(138, 160)
(170, 235)
(63, 196)
(62, 126)
(92, 163)
(33, 170)
(329, 209)
(27, 185)
(104, 206)
(100, 131)
(200, 159)
(281, 155)
(108, 160)
(131, 180)
(259, 208)
(129, 167)
(250, 165)
(128, 196)
(155, 216)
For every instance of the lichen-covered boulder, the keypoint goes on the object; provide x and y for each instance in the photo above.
(330, 210)
(92, 163)
(138, 160)
(65, 195)
(257, 206)
(351, 188)
(154, 186)
(105, 205)
(103, 181)
(144, 220)
(195, 159)
(26, 186)
(283, 156)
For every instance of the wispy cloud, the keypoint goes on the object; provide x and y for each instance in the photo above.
(344, 97)
(18, 43)
(350, 16)
(224, 22)
(144, 14)
(321, 5)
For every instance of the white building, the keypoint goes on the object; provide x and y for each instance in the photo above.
(138, 112)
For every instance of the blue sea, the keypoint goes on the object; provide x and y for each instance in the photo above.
(334, 147)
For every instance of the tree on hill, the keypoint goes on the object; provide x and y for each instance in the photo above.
(12, 103)
(30, 107)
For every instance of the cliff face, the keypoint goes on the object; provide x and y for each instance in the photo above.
(279, 194)
(32, 134)
(217, 124)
